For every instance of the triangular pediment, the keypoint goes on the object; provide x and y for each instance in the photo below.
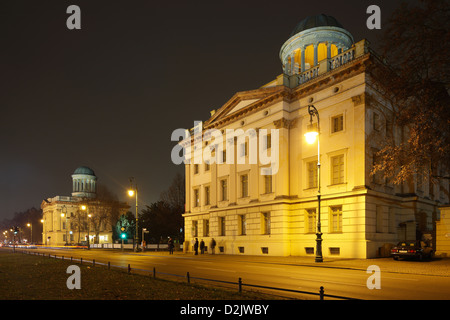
(242, 102)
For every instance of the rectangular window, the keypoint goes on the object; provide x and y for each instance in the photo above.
(244, 185)
(207, 166)
(221, 226)
(337, 167)
(195, 228)
(310, 220)
(224, 190)
(376, 160)
(206, 228)
(392, 220)
(207, 196)
(336, 219)
(379, 219)
(242, 225)
(268, 184)
(335, 251)
(376, 121)
(337, 123)
(265, 223)
(312, 174)
(196, 197)
(195, 168)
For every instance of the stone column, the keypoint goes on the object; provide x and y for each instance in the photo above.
(316, 45)
(303, 49)
(291, 70)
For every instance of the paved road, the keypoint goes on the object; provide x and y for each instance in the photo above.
(399, 280)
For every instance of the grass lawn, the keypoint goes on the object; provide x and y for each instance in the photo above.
(28, 277)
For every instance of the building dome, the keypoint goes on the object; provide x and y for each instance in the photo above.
(84, 183)
(314, 39)
(84, 170)
(321, 20)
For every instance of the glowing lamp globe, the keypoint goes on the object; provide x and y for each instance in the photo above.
(311, 136)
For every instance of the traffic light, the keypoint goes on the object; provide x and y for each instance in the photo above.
(16, 230)
(123, 235)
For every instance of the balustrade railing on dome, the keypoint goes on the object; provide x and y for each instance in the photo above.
(325, 66)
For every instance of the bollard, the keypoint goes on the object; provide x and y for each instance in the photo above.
(188, 277)
(240, 285)
(109, 265)
(81, 260)
(129, 269)
(154, 273)
(93, 262)
(321, 291)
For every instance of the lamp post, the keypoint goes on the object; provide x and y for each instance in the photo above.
(131, 192)
(31, 231)
(64, 214)
(43, 232)
(84, 208)
(311, 136)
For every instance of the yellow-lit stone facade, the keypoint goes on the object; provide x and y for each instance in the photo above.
(249, 213)
(79, 218)
(443, 232)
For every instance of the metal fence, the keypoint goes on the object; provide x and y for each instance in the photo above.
(240, 284)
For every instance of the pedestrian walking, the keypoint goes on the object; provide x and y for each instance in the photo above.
(196, 246)
(213, 245)
(202, 247)
(170, 246)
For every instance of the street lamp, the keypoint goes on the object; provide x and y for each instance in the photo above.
(88, 215)
(31, 232)
(43, 232)
(311, 137)
(132, 192)
(64, 214)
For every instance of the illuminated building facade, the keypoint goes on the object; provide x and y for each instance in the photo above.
(254, 214)
(71, 220)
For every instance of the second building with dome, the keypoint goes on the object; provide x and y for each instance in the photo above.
(82, 218)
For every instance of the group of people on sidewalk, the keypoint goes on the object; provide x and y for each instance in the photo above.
(203, 247)
(197, 245)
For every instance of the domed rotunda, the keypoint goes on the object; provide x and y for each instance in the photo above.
(84, 183)
(314, 39)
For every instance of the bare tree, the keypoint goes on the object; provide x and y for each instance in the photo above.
(175, 195)
(104, 210)
(415, 84)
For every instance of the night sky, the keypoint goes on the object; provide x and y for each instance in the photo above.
(108, 96)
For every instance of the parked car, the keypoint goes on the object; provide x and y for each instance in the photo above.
(412, 249)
